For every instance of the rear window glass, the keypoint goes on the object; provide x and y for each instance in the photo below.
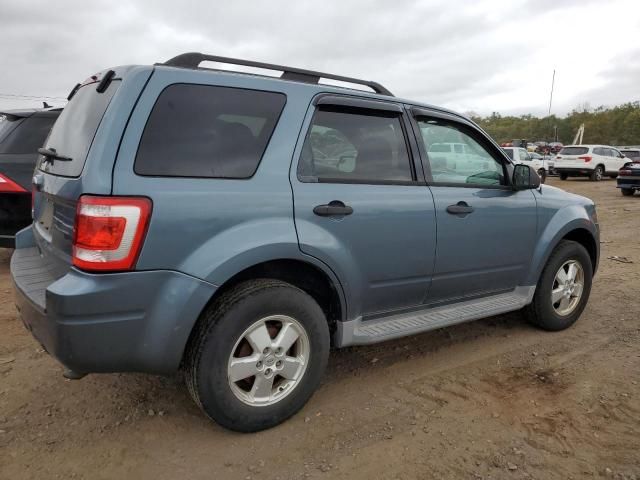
(631, 153)
(28, 136)
(509, 153)
(73, 132)
(574, 151)
(207, 131)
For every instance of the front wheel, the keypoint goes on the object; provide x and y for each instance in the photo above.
(563, 288)
(258, 355)
(627, 192)
(597, 174)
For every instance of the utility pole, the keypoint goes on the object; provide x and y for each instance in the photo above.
(553, 80)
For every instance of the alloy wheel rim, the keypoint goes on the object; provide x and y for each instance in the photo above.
(567, 288)
(268, 361)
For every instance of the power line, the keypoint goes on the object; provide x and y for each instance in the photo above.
(30, 97)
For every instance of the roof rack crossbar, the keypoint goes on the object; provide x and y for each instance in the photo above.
(194, 59)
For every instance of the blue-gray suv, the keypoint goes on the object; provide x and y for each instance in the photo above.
(235, 227)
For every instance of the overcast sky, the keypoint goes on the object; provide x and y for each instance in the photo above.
(480, 56)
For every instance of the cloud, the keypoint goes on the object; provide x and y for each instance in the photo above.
(482, 56)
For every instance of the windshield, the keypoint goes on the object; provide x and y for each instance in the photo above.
(74, 130)
(574, 151)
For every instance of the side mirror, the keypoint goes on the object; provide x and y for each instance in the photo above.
(524, 178)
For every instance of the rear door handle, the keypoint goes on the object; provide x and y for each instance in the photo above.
(335, 207)
(460, 208)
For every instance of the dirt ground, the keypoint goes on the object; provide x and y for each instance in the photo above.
(491, 399)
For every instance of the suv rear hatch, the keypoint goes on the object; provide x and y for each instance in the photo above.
(573, 157)
(61, 179)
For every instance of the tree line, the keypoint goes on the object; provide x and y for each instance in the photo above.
(618, 125)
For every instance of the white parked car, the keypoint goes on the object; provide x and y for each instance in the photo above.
(535, 161)
(462, 158)
(593, 161)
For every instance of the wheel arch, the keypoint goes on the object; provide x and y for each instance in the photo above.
(570, 223)
(315, 280)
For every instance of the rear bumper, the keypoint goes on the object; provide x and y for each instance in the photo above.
(629, 183)
(15, 214)
(573, 171)
(7, 241)
(121, 322)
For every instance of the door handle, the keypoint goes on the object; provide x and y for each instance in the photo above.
(460, 208)
(335, 207)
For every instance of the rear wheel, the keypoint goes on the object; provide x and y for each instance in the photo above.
(564, 176)
(563, 289)
(627, 192)
(597, 174)
(258, 355)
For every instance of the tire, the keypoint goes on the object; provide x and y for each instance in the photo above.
(627, 192)
(564, 176)
(221, 336)
(542, 174)
(613, 176)
(542, 312)
(597, 174)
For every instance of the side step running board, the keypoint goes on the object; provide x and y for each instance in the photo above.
(357, 332)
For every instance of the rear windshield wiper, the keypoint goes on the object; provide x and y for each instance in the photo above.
(50, 155)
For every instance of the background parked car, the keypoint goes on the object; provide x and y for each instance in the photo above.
(632, 154)
(535, 161)
(629, 178)
(593, 161)
(22, 132)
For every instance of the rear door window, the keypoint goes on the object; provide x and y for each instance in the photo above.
(574, 151)
(73, 132)
(28, 136)
(509, 153)
(208, 132)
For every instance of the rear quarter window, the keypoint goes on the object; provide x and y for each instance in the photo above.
(574, 150)
(208, 131)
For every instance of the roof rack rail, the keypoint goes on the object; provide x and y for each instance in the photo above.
(193, 60)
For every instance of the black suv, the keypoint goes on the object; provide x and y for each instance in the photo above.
(22, 132)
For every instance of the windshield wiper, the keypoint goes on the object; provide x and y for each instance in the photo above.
(50, 155)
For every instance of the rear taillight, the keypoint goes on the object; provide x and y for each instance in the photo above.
(624, 172)
(586, 158)
(558, 157)
(109, 232)
(9, 186)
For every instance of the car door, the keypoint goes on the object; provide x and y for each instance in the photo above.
(361, 205)
(617, 160)
(485, 230)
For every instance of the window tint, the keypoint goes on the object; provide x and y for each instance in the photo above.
(207, 131)
(574, 151)
(614, 153)
(475, 166)
(28, 136)
(509, 152)
(599, 151)
(355, 145)
(73, 132)
(634, 154)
